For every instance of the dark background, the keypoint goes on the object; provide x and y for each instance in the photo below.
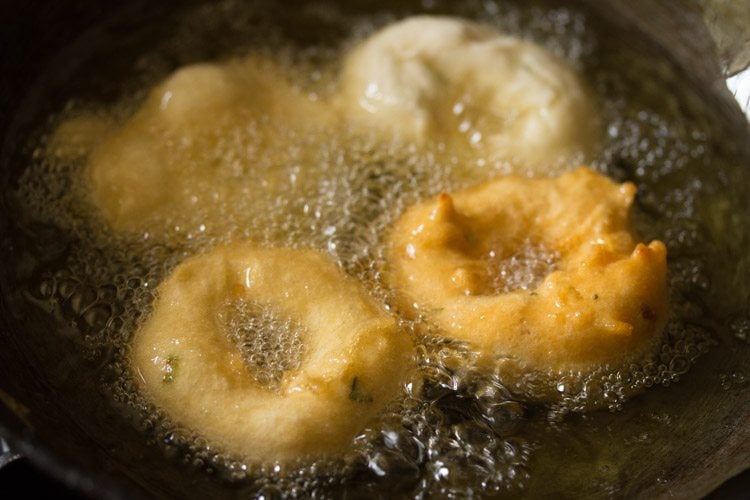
(21, 479)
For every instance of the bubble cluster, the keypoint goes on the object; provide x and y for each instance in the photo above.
(270, 344)
(525, 269)
(461, 430)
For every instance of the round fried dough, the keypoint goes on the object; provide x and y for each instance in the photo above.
(354, 359)
(208, 138)
(604, 304)
(443, 80)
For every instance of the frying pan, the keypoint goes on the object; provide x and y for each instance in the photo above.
(52, 406)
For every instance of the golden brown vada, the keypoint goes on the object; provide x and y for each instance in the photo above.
(603, 304)
(353, 359)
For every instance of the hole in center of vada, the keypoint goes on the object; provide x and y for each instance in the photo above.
(270, 343)
(523, 268)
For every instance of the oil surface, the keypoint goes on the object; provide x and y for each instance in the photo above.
(466, 431)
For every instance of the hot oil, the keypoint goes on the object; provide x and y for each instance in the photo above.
(466, 430)
(270, 343)
(524, 269)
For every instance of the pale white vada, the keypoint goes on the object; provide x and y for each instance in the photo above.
(432, 80)
(353, 358)
(603, 304)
